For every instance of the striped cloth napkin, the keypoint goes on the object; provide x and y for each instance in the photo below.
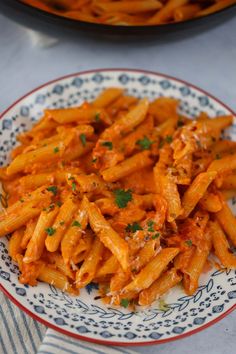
(20, 334)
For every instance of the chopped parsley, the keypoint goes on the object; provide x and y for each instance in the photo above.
(21, 200)
(188, 243)
(133, 227)
(156, 235)
(168, 139)
(94, 160)
(62, 222)
(83, 139)
(97, 117)
(52, 189)
(122, 197)
(76, 223)
(71, 178)
(163, 306)
(108, 144)
(144, 143)
(56, 150)
(218, 156)
(124, 302)
(59, 203)
(73, 186)
(50, 231)
(151, 223)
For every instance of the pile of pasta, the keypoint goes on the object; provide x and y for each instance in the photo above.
(122, 192)
(131, 12)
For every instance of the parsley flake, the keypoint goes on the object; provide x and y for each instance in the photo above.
(94, 160)
(21, 200)
(144, 143)
(50, 231)
(133, 227)
(83, 139)
(52, 189)
(168, 139)
(163, 306)
(73, 186)
(97, 117)
(188, 243)
(218, 156)
(151, 223)
(56, 150)
(76, 223)
(156, 235)
(59, 203)
(108, 144)
(62, 222)
(124, 302)
(122, 197)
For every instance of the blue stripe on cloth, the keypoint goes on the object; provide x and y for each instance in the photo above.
(8, 331)
(38, 330)
(29, 332)
(4, 351)
(64, 350)
(16, 326)
(88, 347)
(73, 343)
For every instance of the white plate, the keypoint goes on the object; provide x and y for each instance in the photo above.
(83, 317)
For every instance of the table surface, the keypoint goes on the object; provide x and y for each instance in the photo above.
(207, 60)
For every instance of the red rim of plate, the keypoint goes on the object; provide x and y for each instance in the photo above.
(78, 336)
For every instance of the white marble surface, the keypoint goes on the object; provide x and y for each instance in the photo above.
(208, 60)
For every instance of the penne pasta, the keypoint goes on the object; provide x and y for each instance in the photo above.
(107, 235)
(166, 281)
(121, 192)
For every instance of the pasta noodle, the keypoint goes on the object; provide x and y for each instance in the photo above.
(123, 192)
(130, 12)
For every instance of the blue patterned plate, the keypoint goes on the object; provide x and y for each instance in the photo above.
(84, 317)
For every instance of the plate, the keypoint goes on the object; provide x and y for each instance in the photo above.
(84, 317)
(58, 26)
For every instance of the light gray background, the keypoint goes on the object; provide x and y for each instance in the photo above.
(208, 61)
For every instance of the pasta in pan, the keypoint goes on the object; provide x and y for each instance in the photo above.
(131, 12)
(123, 192)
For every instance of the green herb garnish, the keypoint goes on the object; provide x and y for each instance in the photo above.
(188, 243)
(168, 139)
(122, 197)
(108, 144)
(50, 231)
(163, 306)
(133, 227)
(59, 203)
(156, 235)
(52, 189)
(218, 156)
(94, 160)
(151, 223)
(56, 150)
(76, 223)
(97, 117)
(83, 139)
(62, 222)
(124, 302)
(73, 186)
(144, 143)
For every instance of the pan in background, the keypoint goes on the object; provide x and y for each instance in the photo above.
(60, 26)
